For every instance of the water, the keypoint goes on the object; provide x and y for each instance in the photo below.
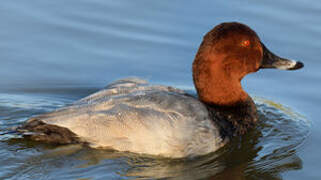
(55, 52)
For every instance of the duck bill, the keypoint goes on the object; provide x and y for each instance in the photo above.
(271, 60)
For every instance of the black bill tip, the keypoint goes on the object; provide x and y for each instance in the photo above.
(298, 65)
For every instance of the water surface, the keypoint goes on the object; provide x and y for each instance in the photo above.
(55, 52)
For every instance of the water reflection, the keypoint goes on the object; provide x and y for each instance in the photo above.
(261, 154)
(264, 153)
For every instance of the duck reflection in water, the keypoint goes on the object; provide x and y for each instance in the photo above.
(263, 153)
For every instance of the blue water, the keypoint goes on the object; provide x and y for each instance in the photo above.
(55, 52)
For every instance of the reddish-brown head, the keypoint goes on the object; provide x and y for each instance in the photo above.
(228, 53)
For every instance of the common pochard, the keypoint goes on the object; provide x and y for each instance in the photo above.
(132, 115)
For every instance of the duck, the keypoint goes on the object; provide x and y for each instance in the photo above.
(134, 116)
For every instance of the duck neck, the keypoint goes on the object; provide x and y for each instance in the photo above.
(230, 107)
(218, 87)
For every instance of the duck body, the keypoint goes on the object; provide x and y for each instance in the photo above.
(131, 115)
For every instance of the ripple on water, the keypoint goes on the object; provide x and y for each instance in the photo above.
(263, 153)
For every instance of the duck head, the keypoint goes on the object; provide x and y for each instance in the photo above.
(228, 53)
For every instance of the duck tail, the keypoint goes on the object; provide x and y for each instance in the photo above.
(37, 130)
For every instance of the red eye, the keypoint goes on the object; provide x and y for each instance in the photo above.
(246, 43)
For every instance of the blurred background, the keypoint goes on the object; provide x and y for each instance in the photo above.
(55, 52)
